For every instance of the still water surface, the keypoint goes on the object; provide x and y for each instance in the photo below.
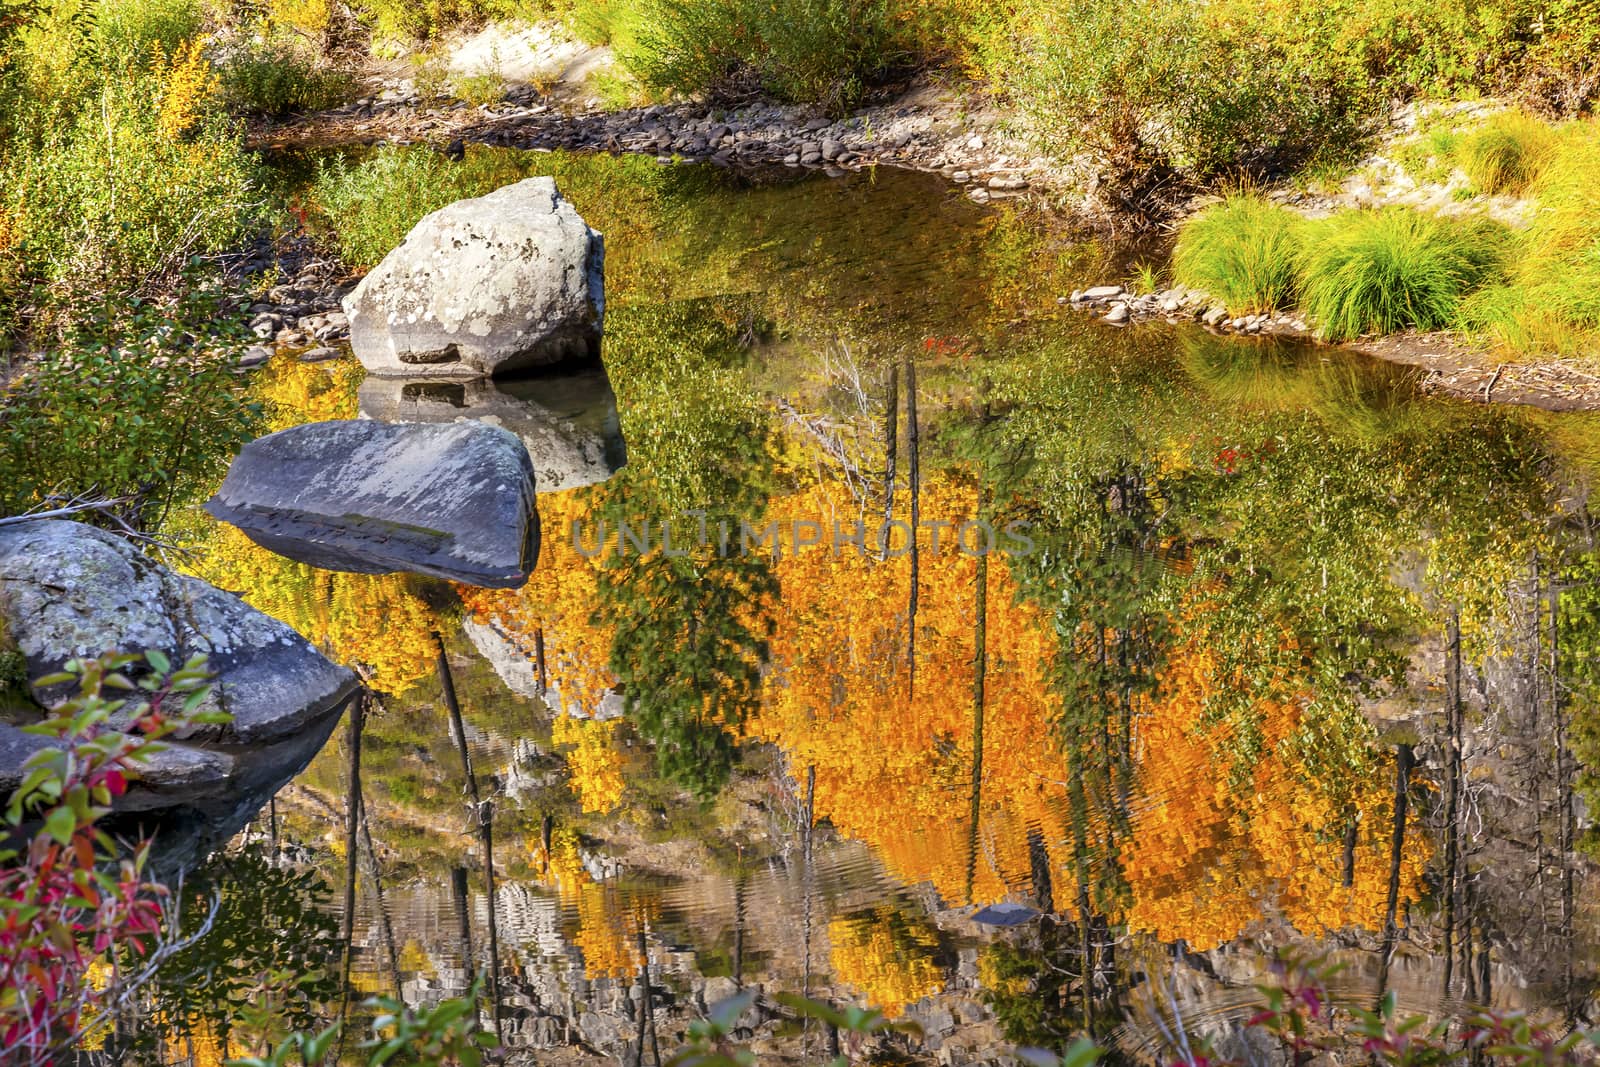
(1166, 720)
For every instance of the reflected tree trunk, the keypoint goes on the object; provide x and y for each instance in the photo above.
(914, 462)
(539, 661)
(458, 894)
(1452, 791)
(385, 927)
(483, 818)
(891, 421)
(980, 664)
(1565, 811)
(1404, 758)
(352, 820)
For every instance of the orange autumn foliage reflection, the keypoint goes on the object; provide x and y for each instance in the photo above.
(887, 955)
(557, 600)
(1208, 851)
(608, 922)
(1209, 856)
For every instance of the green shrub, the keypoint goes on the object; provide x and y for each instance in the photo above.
(483, 88)
(370, 206)
(818, 51)
(275, 78)
(138, 402)
(123, 194)
(1380, 271)
(1243, 251)
(1151, 87)
(133, 29)
(1507, 153)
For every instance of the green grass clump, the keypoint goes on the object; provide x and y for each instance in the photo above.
(1243, 251)
(1508, 153)
(1552, 300)
(1560, 262)
(1381, 271)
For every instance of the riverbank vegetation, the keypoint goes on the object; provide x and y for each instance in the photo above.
(1526, 289)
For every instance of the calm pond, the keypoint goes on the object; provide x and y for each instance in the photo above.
(1177, 640)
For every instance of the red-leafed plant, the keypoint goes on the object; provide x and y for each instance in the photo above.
(81, 927)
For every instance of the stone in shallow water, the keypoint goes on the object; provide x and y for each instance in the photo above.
(451, 501)
(567, 421)
(68, 590)
(489, 285)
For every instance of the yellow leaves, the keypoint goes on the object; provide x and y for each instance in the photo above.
(308, 17)
(887, 956)
(370, 620)
(294, 392)
(608, 923)
(593, 761)
(186, 83)
(1207, 860)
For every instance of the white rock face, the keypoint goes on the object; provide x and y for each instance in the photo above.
(484, 286)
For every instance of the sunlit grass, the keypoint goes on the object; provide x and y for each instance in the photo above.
(1242, 251)
(1552, 301)
(1381, 271)
(1508, 153)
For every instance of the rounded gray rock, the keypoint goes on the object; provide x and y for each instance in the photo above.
(483, 286)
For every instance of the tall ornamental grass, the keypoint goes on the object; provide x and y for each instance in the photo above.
(1243, 251)
(1381, 271)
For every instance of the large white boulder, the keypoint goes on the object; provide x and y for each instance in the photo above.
(484, 286)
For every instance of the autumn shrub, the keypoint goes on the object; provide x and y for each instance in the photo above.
(69, 902)
(1380, 271)
(1243, 251)
(1507, 153)
(275, 76)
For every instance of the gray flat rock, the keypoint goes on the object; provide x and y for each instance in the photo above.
(69, 590)
(451, 501)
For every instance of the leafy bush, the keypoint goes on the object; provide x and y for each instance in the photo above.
(435, 1037)
(1243, 251)
(133, 30)
(1148, 88)
(275, 77)
(371, 205)
(120, 196)
(1507, 153)
(818, 51)
(67, 903)
(1380, 271)
(140, 404)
